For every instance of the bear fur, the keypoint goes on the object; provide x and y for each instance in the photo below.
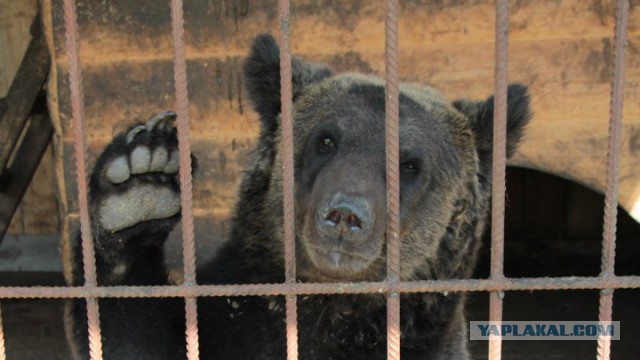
(340, 192)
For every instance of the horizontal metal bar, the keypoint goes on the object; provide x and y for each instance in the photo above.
(508, 284)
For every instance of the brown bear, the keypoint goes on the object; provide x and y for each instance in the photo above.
(340, 192)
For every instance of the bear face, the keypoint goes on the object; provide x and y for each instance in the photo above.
(341, 175)
(340, 184)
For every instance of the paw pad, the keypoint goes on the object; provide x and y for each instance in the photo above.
(143, 166)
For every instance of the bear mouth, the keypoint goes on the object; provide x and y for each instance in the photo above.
(339, 263)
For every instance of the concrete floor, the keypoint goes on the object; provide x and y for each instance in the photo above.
(560, 306)
(33, 328)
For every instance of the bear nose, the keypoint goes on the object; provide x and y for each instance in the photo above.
(346, 218)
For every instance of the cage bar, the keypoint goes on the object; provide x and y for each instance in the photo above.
(499, 163)
(286, 99)
(607, 281)
(605, 307)
(186, 186)
(3, 354)
(77, 113)
(422, 286)
(392, 125)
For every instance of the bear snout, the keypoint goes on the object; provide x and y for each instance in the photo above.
(344, 236)
(345, 219)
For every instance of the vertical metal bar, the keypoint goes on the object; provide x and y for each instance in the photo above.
(288, 177)
(499, 167)
(392, 120)
(77, 112)
(613, 160)
(605, 314)
(186, 190)
(3, 355)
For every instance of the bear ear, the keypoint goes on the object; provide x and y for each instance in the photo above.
(481, 115)
(262, 77)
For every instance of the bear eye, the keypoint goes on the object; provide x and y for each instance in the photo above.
(326, 144)
(410, 167)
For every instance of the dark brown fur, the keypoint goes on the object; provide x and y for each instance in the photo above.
(445, 189)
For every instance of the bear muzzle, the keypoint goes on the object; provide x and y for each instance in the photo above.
(345, 219)
(344, 235)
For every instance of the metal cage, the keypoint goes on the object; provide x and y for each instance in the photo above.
(496, 284)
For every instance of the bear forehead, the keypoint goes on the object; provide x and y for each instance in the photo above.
(356, 102)
(427, 97)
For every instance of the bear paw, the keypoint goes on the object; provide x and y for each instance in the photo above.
(137, 176)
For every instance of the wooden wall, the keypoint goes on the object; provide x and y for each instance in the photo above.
(561, 49)
(38, 212)
(15, 20)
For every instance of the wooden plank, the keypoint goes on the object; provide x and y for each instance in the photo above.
(140, 31)
(23, 92)
(3, 107)
(39, 208)
(39, 204)
(15, 19)
(16, 178)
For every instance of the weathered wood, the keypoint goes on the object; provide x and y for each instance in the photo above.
(17, 176)
(36, 213)
(23, 92)
(16, 18)
(3, 107)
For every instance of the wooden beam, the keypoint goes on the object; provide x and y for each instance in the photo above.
(17, 176)
(23, 92)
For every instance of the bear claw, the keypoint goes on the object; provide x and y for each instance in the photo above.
(161, 120)
(131, 135)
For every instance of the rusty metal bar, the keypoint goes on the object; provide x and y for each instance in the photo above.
(292, 327)
(77, 113)
(186, 186)
(3, 355)
(392, 125)
(605, 308)
(605, 312)
(498, 168)
(424, 286)
(286, 98)
(499, 139)
(615, 130)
